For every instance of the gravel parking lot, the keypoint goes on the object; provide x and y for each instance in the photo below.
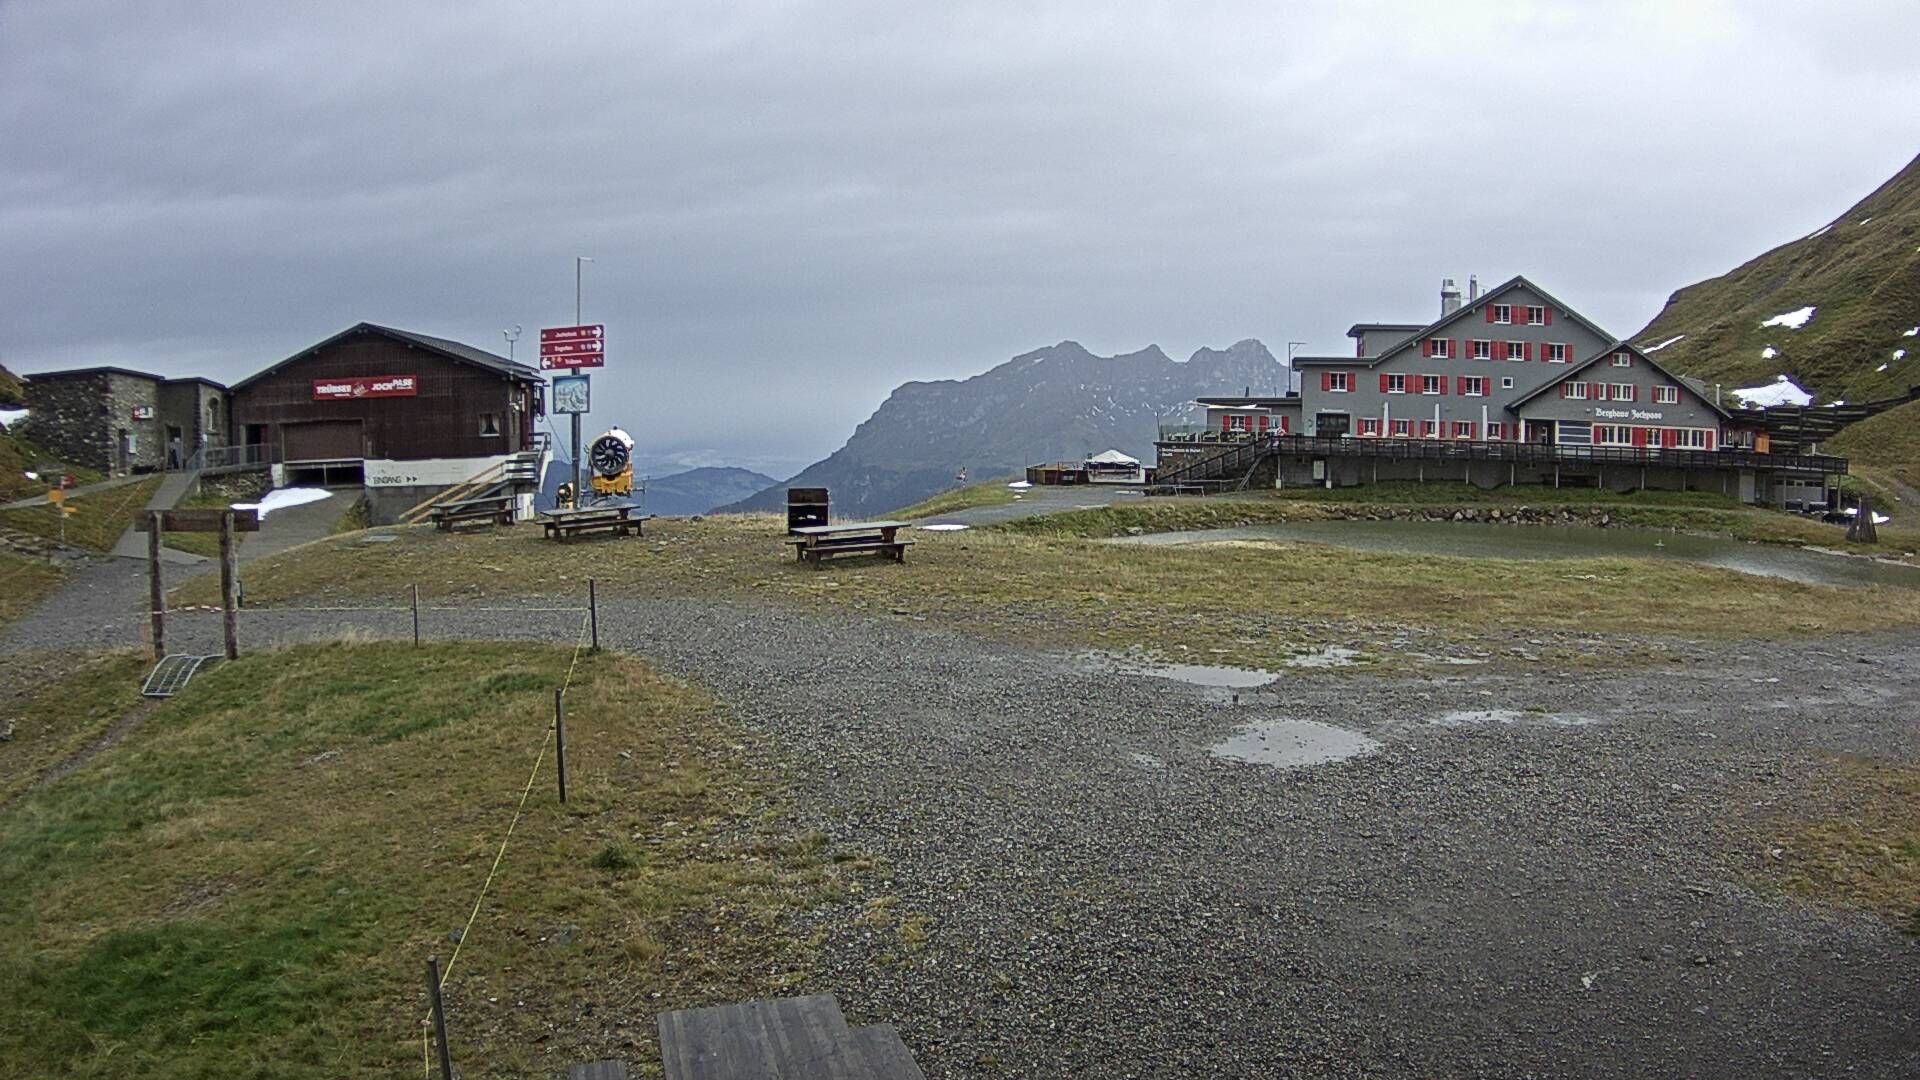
(1553, 888)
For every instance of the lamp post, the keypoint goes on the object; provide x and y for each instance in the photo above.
(512, 336)
(579, 263)
(1291, 346)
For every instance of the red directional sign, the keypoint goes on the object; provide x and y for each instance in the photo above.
(573, 347)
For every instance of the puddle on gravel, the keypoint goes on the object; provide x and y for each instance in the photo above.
(1459, 718)
(1212, 676)
(1327, 656)
(1292, 743)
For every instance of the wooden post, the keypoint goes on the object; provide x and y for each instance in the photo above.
(156, 589)
(229, 603)
(439, 1017)
(1862, 530)
(560, 736)
(593, 613)
(416, 615)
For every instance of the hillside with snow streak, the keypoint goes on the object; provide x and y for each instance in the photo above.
(1829, 311)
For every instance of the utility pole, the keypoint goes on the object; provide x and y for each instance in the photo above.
(512, 336)
(579, 262)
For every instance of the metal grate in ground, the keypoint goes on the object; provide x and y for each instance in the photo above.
(172, 673)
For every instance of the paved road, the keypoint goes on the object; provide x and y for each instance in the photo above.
(1550, 891)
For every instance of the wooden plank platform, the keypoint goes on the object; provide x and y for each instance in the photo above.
(598, 1070)
(803, 1038)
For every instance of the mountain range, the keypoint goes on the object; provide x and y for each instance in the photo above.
(1060, 403)
(679, 494)
(1860, 275)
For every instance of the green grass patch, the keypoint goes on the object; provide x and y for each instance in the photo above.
(18, 455)
(215, 493)
(24, 583)
(985, 493)
(53, 719)
(99, 519)
(250, 882)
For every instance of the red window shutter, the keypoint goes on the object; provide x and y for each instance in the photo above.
(1666, 437)
(1453, 348)
(1263, 423)
(1499, 350)
(1633, 393)
(1426, 347)
(1528, 350)
(1326, 381)
(1460, 385)
(1710, 438)
(1283, 425)
(1383, 382)
(1639, 436)
(1443, 385)
(1563, 389)
(1549, 314)
(1489, 312)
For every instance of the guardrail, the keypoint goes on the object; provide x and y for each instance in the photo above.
(222, 458)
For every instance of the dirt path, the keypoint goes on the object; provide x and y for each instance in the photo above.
(98, 744)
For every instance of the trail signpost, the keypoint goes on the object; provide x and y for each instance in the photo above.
(582, 345)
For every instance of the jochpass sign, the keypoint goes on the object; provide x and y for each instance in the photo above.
(573, 347)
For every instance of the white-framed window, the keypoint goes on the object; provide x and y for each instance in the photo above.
(1536, 316)
(1396, 384)
(1690, 438)
(1622, 392)
(1506, 382)
(1622, 359)
(1556, 352)
(1427, 429)
(1666, 395)
(1402, 428)
(1475, 386)
(1482, 349)
(1463, 429)
(1440, 348)
(1496, 431)
(1341, 382)
(490, 423)
(1370, 425)
(1431, 384)
(1612, 435)
(1502, 313)
(1516, 350)
(1574, 391)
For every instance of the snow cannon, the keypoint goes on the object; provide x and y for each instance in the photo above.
(611, 456)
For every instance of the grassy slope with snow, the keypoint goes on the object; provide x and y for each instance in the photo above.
(1891, 438)
(1862, 273)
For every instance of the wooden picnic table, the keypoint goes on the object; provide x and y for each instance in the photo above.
(497, 509)
(815, 543)
(560, 524)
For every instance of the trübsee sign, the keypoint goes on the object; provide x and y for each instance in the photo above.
(365, 387)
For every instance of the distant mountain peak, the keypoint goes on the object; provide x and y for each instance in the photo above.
(1056, 403)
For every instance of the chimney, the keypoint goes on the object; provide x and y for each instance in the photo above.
(1473, 288)
(1449, 297)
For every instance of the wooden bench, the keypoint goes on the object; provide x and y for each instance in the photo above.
(497, 509)
(619, 520)
(816, 543)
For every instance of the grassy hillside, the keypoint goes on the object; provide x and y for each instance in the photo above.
(12, 394)
(250, 882)
(993, 492)
(1862, 275)
(100, 519)
(1892, 438)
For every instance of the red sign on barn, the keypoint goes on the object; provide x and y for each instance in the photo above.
(367, 386)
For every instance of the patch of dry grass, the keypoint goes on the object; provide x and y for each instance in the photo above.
(24, 582)
(1258, 606)
(258, 872)
(1865, 852)
(99, 520)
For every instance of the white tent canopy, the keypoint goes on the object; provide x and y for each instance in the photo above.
(1112, 457)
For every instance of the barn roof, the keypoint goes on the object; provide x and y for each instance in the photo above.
(452, 350)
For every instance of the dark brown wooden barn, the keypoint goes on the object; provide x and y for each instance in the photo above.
(374, 392)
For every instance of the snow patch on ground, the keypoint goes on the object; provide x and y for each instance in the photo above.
(283, 498)
(1821, 231)
(1019, 485)
(1915, 332)
(1664, 344)
(1781, 391)
(1768, 353)
(10, 417)
(1792, 320)
(1882, 367)
(1878, 517)
(949, 527)
(1899, 354)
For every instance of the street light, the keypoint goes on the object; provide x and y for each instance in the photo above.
(512, 336)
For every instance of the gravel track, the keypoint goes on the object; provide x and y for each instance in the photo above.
(1104, 897)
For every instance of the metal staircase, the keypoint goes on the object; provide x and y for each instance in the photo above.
(1228, 468)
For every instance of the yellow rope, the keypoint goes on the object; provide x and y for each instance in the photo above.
(426, 1033)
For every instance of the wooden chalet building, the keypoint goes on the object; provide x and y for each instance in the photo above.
(404, 414)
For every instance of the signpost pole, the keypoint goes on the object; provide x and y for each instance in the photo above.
(579, 261)
(560, 737)
(228, 602)
(156, 590)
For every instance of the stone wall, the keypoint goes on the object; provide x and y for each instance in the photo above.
(81, 419)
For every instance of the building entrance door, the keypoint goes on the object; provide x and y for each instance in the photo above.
(323, 440)
(1540, 431)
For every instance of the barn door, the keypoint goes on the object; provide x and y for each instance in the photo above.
(323, 440)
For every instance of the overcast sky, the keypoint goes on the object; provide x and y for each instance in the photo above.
(794, 207)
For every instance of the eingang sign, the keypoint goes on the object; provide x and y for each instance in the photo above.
(365, 387)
